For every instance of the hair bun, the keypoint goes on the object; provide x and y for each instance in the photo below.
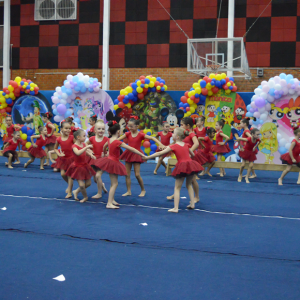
(186, 133)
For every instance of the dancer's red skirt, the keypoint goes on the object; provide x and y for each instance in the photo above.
(286, 159)
(200, 158)
(51, 140)
(208, 155)
(110, 166)
(131, 157)
(221, 149)
(247, 155)
(36, 152)
(187, 168)
(81, 172)
(63, 163)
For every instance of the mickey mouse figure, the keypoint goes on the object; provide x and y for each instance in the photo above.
(171, 118)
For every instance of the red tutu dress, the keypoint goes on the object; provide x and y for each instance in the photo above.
(11, 148)
(286, 159)
(10, 130)
(248, 153)
(165, 140)
(134, 142)
(206, 152)
(198, 155)
(97, 149)
(64, 162)
(38, 152)
(80, 169)
(200, 133)
(220, 148)
(51, 139)
(111, 164)
(185, 165)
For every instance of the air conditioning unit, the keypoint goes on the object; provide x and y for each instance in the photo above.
(48, 10)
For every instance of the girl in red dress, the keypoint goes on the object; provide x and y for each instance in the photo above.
(92, 122)
(292, 157)
(135, 138)
(36, 149)
(221, 147)
(185, 167)
(111, 163)
(72, 124)
(98, 141)
(10, 148)
(80, 169)
(247, 153)
(200, 130)
(65, 155)
(165, 137)
(51, 138)
(193, 143)
(246, 134)
(206, 151)
(10, 128)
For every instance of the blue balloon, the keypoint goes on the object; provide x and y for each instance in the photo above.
(148, 133)
(249, 107)
(282, 76)
(142, 85)
(163, 81)
(30, 132)
(8, 101)
(67, 105)
(66, 81)
(55, 111)
(231, 78)
(68, 114)
(77, 88)
(24, 129)
(162, 89)
(213, 82)
(90, 90)
(289, 77)
(197, 95)
(69, 92)
(153, 147)
(116, 101)
(135, 93)
(3, 94)
(272, 91)
(27, 87)
(22, 83)
(203, 83)
(158, 79)
(223, 81)
(77, 120)
(83, 89)
(202, 97)
(218, 84)
(31, 93)
(126, 100)
(152, 152)
(28, 139)
(151, 142)
(282, 150)
(147, 80)
(130, 96)
(249, 114)
(231, 87)
(75, 78)
(134, 86)
(63, 89)
(135, 99)
(185, 105)
(192, 89)
(153, 89)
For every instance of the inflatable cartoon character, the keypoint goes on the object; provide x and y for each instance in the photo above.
(211, 115)
(294, 112)
(200, 110)
(277, 113)
(77, 107)
(239, 115)
(37, 120)
(172, 119)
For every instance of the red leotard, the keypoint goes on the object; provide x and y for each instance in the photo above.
(185, 165)
(189, 139)
(165, 138)
(207, 151)
(134, 142)
(12, 146)
(98, 146)
(244, 136)
(80, 169)
(296, 151)
(198, 155)
(200, 133)
(248, 153)
(111, 164)
(38, 152)
(220, 148)
(51, 139)
(63, 162)
(10, 130)
(92, 129)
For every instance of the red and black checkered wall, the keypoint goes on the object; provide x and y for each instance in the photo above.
(143, 36)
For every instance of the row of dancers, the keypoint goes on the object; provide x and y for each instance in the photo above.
(81, 161)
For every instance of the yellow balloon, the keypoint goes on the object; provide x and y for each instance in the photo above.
(148, 77)
(153, 79)
(223, 75)
(228, 91)
(31, 89)
(146, 86)
(139, 83)
(208, 86)
(18, 79)
(223, 158)
(128, 105)
(192, 110)
(122, 92)
(190, 94)
(116, 107)
(27, 145)
(190, 101)
(196, 85)
(2, 100)
(129, 89)
(210, 93)
(10, 88)
(23, 86)
(194, 105)
(6, 96)
(139, 89)
(212, 76)
(218, 77)
(188, 113)
(13, 97)
(11, 94)
(31, 84)
(151, 84)
(24, 136)
(125, 93)
(165, 87)
(158, 87)
(147, 150)
(228, 84)
(198, 90)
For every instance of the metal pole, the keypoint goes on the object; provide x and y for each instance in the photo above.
(105, 50)
(230, 35)
(6, 43)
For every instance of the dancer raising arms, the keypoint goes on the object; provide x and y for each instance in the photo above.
(10, 128)
(36, 149)
(165, 137)
(51, 138)
(200, 130)
(80, 169)
(111, 164)
(292, 157)
(10, 148)
(135, 138)
(185, 167)
(247, 153)
(65, 155)
(98, 141)
(221, 147)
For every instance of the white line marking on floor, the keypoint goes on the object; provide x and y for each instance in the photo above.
(163, 208)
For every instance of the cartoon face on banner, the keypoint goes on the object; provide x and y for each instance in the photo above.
(89, 104)
(149, 110)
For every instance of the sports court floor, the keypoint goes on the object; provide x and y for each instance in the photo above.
(241, 242)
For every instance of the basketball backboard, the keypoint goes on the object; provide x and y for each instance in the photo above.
(218, 55)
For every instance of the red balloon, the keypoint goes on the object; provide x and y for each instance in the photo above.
(11, 82)
(215, 90)
(131, 102)
(183, 99)
(225, 87)
(8, 109)
(146, 144)
(141, 96)
(231, 82)
(14, 84)
(234, 89)
(186, 94)
(143, 81)
(120, 98)
(181, 108)
(142, 77)
(145, 90)
(192, 97)
(187, 108)
(150, 76)
(197, 100)
(130, 110)
(121, 104)
(204, 91)
(209, 80)
(2, 111)
(17, 90)
(205, 78)
(227, 79)
(24, 80)
(161, 84)
(156, 83)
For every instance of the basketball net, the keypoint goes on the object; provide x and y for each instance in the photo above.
(213, 68)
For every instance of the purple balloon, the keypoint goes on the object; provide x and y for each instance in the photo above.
(252, 110)
(61, 109)
(260, 102)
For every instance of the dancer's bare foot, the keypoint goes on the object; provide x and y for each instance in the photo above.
(46, 164)
(197, 200)
(221, 175)
(17, 162)
(10, 167)
(173, 210)
(253, 176)
(42, 168)
(170, 197)
(190, 206)
(6, 163)
(84, 200)
(298, 182)
(247, 180)
(25, 165)
(207, 173)
(155, 173)
(112, 206)
(67, 191)
(75, 194)
(114, 202)
(69, 195)
(104, 188)
(202, 173)
(127, 194)
(55, 170)
(142, 194)
(97, 196)
(197, 178)
(240, 179)
(280, 181)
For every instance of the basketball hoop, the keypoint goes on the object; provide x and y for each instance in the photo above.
(213, 68)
